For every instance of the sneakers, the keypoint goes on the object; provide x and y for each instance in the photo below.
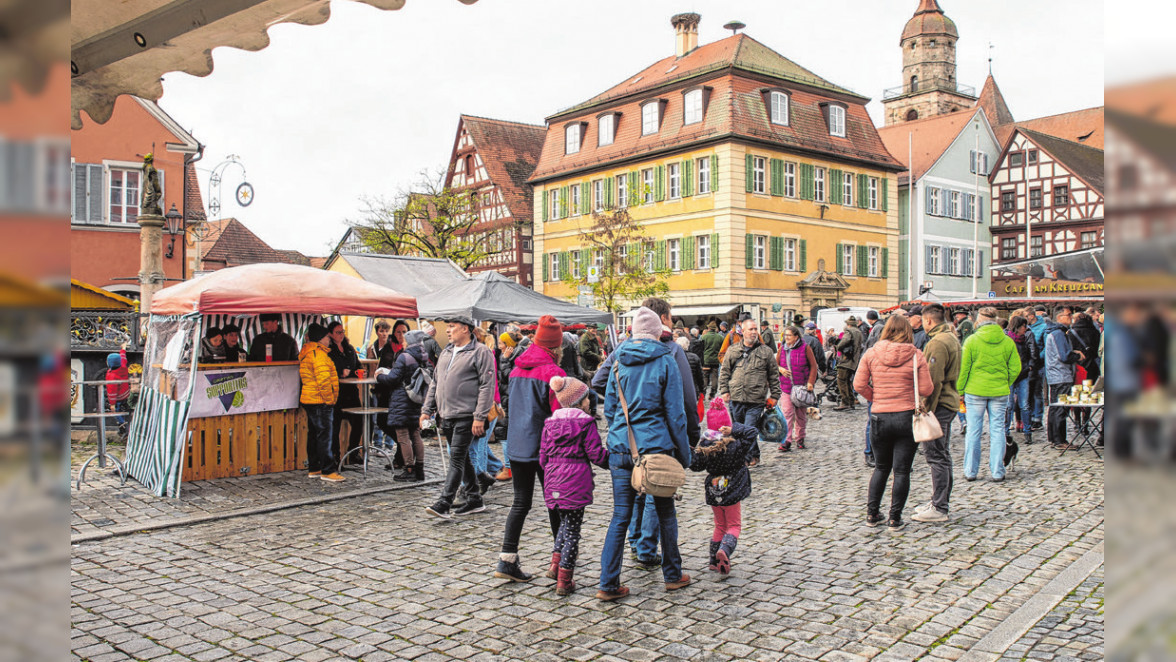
(800, 444)
(470, 507)
(314, 474)
(784, 447)
(931, 514)
(332, 477)
(896, 525)
(873, 520)
(682, 582)
(505, 474)
(651, 563)
(439, 509)
(616, 594)
(511, 570)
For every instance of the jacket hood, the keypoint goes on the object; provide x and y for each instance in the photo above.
(571, 414)
(894, 354)
(1051, 326)
(637, 352)
(533, 357)
(417, 352)
(990, 333)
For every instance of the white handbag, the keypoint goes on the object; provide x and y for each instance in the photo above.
(924, 424)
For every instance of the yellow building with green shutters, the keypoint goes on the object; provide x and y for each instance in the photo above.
(759, 186)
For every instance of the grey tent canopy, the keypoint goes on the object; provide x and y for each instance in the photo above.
(492, 297)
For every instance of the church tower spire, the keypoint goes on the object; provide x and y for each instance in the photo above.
(928, 69)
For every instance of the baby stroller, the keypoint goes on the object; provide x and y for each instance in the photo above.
(827, 389)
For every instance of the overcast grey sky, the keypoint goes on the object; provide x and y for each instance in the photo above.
(363, 103)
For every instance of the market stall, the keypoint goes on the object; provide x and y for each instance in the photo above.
(492, 297)
(200, 421)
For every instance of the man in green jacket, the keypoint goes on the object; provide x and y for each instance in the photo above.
(712, 340)
(963, 325)
(943, 359)
(988, 368)
(749, 378)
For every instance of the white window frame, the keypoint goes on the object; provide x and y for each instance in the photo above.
(873, 186)
(650, 255)
(692, 110)
(1082, 245)
(759, 171)
(778, 105)
(574, 200)
(623, 263)
(935, 261)
(875, 262)
(598, 259)
(789, 179)
(837, 121)
(606, 130)
(674, 254)
(953, 199)
(553, 269)
(674, 181)
(554, 199)
(1037, 246)
(933, 205)
(647, 186)
(649, 118)
(598, 195)
(789, 254)
(703, 248)
(704, 174)
(1008, 245)
(955, 261)
(572, 138)
(760, 252)
(575, 264)
(819, 184)
(622, 191)
(847, 189)
(107, 214)
(849, 259)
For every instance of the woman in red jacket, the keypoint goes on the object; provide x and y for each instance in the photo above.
(885, 377)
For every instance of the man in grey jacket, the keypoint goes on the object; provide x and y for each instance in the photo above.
(461, 394)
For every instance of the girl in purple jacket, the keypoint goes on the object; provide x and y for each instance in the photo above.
(570, 444)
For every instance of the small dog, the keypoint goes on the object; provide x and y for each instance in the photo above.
(1011, 451)
(814, 413)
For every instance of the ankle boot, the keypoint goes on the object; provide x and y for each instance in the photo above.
(714, 561)
(726, 550)
(406, 476)
(418, 471)
(564, 584)
(553, 569)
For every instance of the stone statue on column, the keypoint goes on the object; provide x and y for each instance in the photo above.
(151, 192)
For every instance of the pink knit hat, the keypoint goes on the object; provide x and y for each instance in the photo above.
(647, 325)
(569, 391)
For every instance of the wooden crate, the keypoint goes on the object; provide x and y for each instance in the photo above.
(262, 442)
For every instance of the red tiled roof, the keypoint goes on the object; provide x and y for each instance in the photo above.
(736, 108)
(232, 244)
(928, 139)
(1084, 127)
(193, 202)
(509, 150)
(1154, 99)
(993, 103)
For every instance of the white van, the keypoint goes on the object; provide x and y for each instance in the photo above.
(834, 318)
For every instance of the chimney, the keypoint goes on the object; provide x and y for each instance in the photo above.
(685, 33)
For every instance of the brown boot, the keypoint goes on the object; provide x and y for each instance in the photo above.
(553, 570)
(564, 585)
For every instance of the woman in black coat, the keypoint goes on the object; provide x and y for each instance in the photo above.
(346, 363)
(403, 420)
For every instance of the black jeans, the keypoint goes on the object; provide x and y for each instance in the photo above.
(523, 480)
(460, 434)
(894, 448)
(318, 438)
(1057, 415)
(938, 454)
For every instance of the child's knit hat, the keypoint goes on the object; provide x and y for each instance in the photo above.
(569, 391)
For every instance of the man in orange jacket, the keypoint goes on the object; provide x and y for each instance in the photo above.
(320, 390)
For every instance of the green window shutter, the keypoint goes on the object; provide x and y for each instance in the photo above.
(661, 255)
(863, 260)
(608, 192)
(806, 181)
(715, 250)
(883, 203)
(833, 187)
(585, 198)
(659, 192)
(777, 253)
(545, 218)
(750, 168)
(840, 260)
(687, 177)
(688, 252)
(714, 173)
(749, 250)
(803, 256)
(777, 167)
(634, 255)
(546, 260)
(863, 192)
(634, 194)
(563, 202)
(884, 268)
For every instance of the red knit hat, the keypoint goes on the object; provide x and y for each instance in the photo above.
(550, 333)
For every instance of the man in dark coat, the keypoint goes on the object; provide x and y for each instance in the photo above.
(282, 346)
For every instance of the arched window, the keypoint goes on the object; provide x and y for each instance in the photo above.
(914, 83)
(912, 115)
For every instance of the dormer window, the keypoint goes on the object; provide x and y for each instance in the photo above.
(778, 103)
(572, 137)
(650, 117)
(836, 120)
(693, 107)
(606, 129)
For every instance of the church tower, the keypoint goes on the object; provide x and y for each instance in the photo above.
(928, 69)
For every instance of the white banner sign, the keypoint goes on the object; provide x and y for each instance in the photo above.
(227, 390)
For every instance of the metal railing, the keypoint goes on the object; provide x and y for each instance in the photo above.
(105, 330)
(941, 84)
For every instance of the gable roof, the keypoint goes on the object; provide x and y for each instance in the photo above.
(928, 139)
(1154, 98)
(233, 244)
(1084, 162)
(993, 103)
(415, 276)
(1084, 127)
(1155, 138)
(510, 152)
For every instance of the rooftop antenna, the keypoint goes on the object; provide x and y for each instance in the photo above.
(735, 26)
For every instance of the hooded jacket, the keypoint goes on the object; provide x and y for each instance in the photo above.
(569, 446)
(886, 377)
(749, 374)
(402, 411)
(1060, 356)
(531, 402)
(730, 464)
(463, 383)
(320, 382)
(652, 385)
(990, 364)
(943, 362)
(689, 395)
(1026, 351)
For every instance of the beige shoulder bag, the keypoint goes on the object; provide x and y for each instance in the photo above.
(655, 474)
(924, 425)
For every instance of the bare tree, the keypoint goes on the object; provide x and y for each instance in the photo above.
(629, 267)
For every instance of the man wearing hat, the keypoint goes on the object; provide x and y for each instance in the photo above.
(812, 338)
(850, 348)
(282, 346)
(963, 324)
(712, 340)
(320, 391)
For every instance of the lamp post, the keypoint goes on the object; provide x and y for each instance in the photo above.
(175, 226)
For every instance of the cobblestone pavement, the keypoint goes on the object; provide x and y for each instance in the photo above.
(373, 578)
(1072, 631)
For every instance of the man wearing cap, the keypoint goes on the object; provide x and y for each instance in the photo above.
(461, 394)
(812, 338)
(963, 324)
(282, 346)
(320, 390)
(876, 327)
(234, 352)
(915, 315)
(712, 340)
(590, 352)
(868, 325)
(850, 348)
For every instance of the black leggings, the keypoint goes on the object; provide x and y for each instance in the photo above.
(523, 480)
(894, 449)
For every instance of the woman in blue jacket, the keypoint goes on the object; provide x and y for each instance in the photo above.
(649, 377)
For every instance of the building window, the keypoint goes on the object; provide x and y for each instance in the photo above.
(837, 121)
(598, 195)
(954, 262)
(598, 259)
(704, 175)
(124, 195)
(790, 180)
(760, 254)
(848, 253)
(789, 255)
(873, 193)
(934, 260)
(1016, 159)
(1036, 246)
(977, 161)
(1008, 201)
(649, 117)
(606, 130)
(572, 139)
(622, 265)
(819, 184)
(622, 191)
(554, 271)
(1128, 177)
(953, 202)
(702, 241)
(759, 166)
(674, 171)
(933, 199)
(1061, 196)
(575, 264)
(647, 185)
(847, 189)
(1032, 156)
(779, 108)
(650, 256)
(969, 262)
(674, 251)
(1008, 248)
(875, 260)
(1035, 198)
(554, 204)
(574, 203)
(693, 112)
(1089, 239)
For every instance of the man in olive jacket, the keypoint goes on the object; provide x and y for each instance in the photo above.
(943, 359)
(850, 347)
(988, 367)
(749, 378)
(712, 341)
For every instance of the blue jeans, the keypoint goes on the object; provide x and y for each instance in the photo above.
(1019, 399)
(1038, 395)
(643, 527)
(480, 453)
(869, 428)
(996, 408)
(621, 468)
(319, 449)
(748, 413)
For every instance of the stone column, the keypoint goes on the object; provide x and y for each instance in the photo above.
(150, 258)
